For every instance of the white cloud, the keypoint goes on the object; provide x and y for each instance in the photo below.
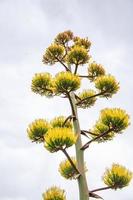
(27, 27)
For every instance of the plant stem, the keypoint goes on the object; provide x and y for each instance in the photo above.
(98, 94)
(82, 182)
(99, 189)
(70, 160)
(94, 139)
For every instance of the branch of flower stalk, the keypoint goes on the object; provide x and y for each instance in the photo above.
(90, 133)
(70, 160)
(83, 133)
(76, 68)
(98, 94)
(70, 117)
(96, 196)
(77, 97)
(103, 188)
(85, 76)
(94, 139)
(60, 61)
(70, 100)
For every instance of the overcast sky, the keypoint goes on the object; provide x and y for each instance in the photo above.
(27, 28)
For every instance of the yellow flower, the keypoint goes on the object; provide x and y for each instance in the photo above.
(53, 53)
(77, 56)
(67, 170)
(107, 85)
(95, 70)
(115, 118)
(117, 177)
(82, 42)
(59, 122)
(54, 193)
(37, 130)
(86, 94)
(100, 128)
(42, 84)
(59, 138)
(66, 82)
(64, 37)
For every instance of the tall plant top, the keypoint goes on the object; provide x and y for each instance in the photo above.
(63, 132)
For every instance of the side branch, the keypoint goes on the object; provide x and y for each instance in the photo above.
(98, 94)
(94, 139)
(70, 160)
(70, 117)
(60, 61)
(99, 189)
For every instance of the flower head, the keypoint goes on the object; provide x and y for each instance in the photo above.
(100, 128)
(107, 85)
(59, 138)
(89, 99)
(64, 37)
(54, 193)
(117, 177)
(53, 53)
(77, 56)
(59, 122)
(67, 170)
(95, 70)
(42, 84)
(66, 82)
(115, 118)
(82, 42)
(37, 130)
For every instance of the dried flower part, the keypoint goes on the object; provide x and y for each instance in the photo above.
(64, 37)
(107, 85)
(99, 129)
(82, 42)
(66, 82)
(77, 56)
(59, 122)
(59, 138)
(89, 99)
(115, 118)
(95, 70)
(42, 84)
(53, 54)
(67, 170)
(117, 177)
(37, 130)
(54, 193)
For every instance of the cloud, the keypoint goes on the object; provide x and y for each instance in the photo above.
(27, 28)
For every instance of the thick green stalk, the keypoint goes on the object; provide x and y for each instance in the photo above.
(82, 182)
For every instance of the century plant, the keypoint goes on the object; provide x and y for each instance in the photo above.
(62, 132)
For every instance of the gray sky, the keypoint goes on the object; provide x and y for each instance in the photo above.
(27, 28)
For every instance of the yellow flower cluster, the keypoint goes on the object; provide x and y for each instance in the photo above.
(37, 130)
(54, 193)
(89, 99)
(95, 70)
(100, 128)
(77, 56)
(59, 122)
(42, 84)
(64, 37)
(59, 138)
(115, 118)
(107, 85)
(53, 53)
(117, 177)
(66, 82)
(67, 170)
(82, 42)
